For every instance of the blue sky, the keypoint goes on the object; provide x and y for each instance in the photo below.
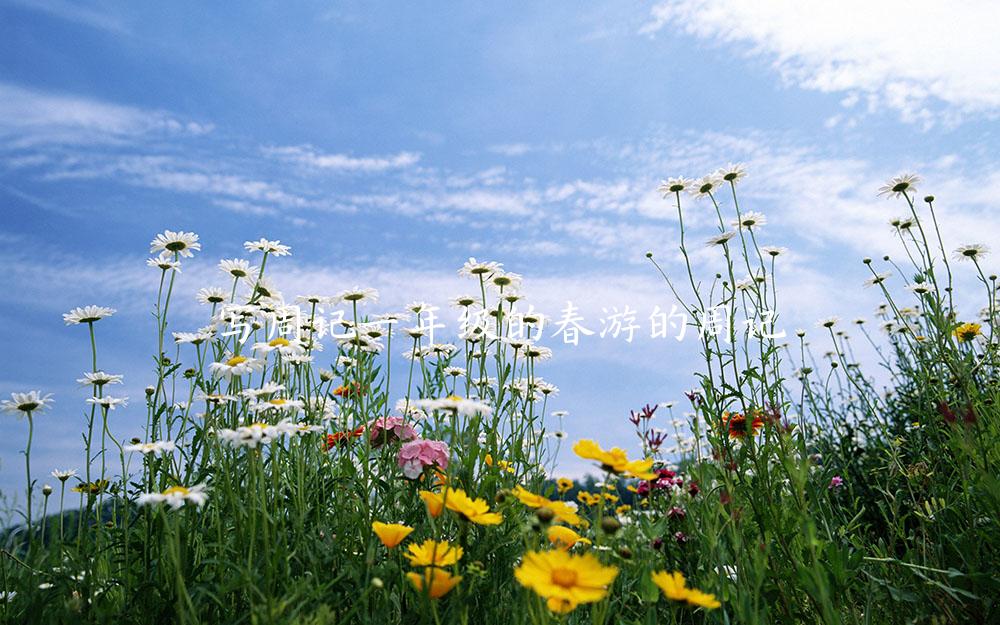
(388, 142)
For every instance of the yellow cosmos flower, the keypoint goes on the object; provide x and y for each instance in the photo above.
(565, 580)
(674, 587)
(622, 509)
(967, 332)
(564, 484)
(391, 534)
(436, 582)
(530, 499)
(475, 510)
(588, 499)
(564, 538)
(615, 460)
(563, 511)
(434, 501)
(433, 553)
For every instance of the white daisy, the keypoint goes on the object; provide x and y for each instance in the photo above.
(280, 344)
(675, 185)
(705, 185)
(463, 301)
(63, 474)
(720, 239)
(87, 314)
(265, 288)
(211, 295)
(390, 319)
(156, 448)
(454, 404)
(236, 366)
(165, 262)
(274, 248)
(971, 252)
(194, 338)
(905, 183)
(237, 268)
(772, 250)
(215, 398)
(360, 341)
(732, 173)
(278, 404)
(454, 371)
(99, 378)
(878, 278)
(313, 299)
(176, 497)
(506, 280)
(357, 294)
(920, 288)
(267, 389)
(108, 402)
(828, 322)
(180, 243)
(24, 403)
(750, 220)
(473, 267)
(298, 359)
(538, 352)
(559, 414)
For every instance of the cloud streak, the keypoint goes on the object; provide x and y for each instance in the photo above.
(926, 60)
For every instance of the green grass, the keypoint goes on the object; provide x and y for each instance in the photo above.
(807, 494)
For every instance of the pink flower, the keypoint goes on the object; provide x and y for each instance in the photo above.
(836, 482)
(418, 454)
(390, 429)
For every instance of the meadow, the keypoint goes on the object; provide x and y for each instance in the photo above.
(278, 480)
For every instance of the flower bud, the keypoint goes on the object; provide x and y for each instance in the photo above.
(610, 525)
(545, 514)
(46, 490)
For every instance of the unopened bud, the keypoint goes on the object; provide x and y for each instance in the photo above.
(545, 515)
(610, 525)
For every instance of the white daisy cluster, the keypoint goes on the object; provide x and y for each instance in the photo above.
(155, 448)
(176, 497)
(257, 434)
(453, 404)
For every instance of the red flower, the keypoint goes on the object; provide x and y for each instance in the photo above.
(341, 438)
(736, 423)
(352, 389)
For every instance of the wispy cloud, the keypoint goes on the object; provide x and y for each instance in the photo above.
(31, 117)
(929, 61)
(309, 157)
(74, 12)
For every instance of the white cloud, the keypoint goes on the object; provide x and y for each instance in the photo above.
(308, 156)
(928, 60)
(511, 149)
(33, 117)
(73, 12)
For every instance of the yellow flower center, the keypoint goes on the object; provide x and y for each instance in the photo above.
(279, 342)
(236, 360)
(277, 402)
(176, 490)
(564, 577)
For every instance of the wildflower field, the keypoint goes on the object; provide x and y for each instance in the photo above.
(278, 479)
